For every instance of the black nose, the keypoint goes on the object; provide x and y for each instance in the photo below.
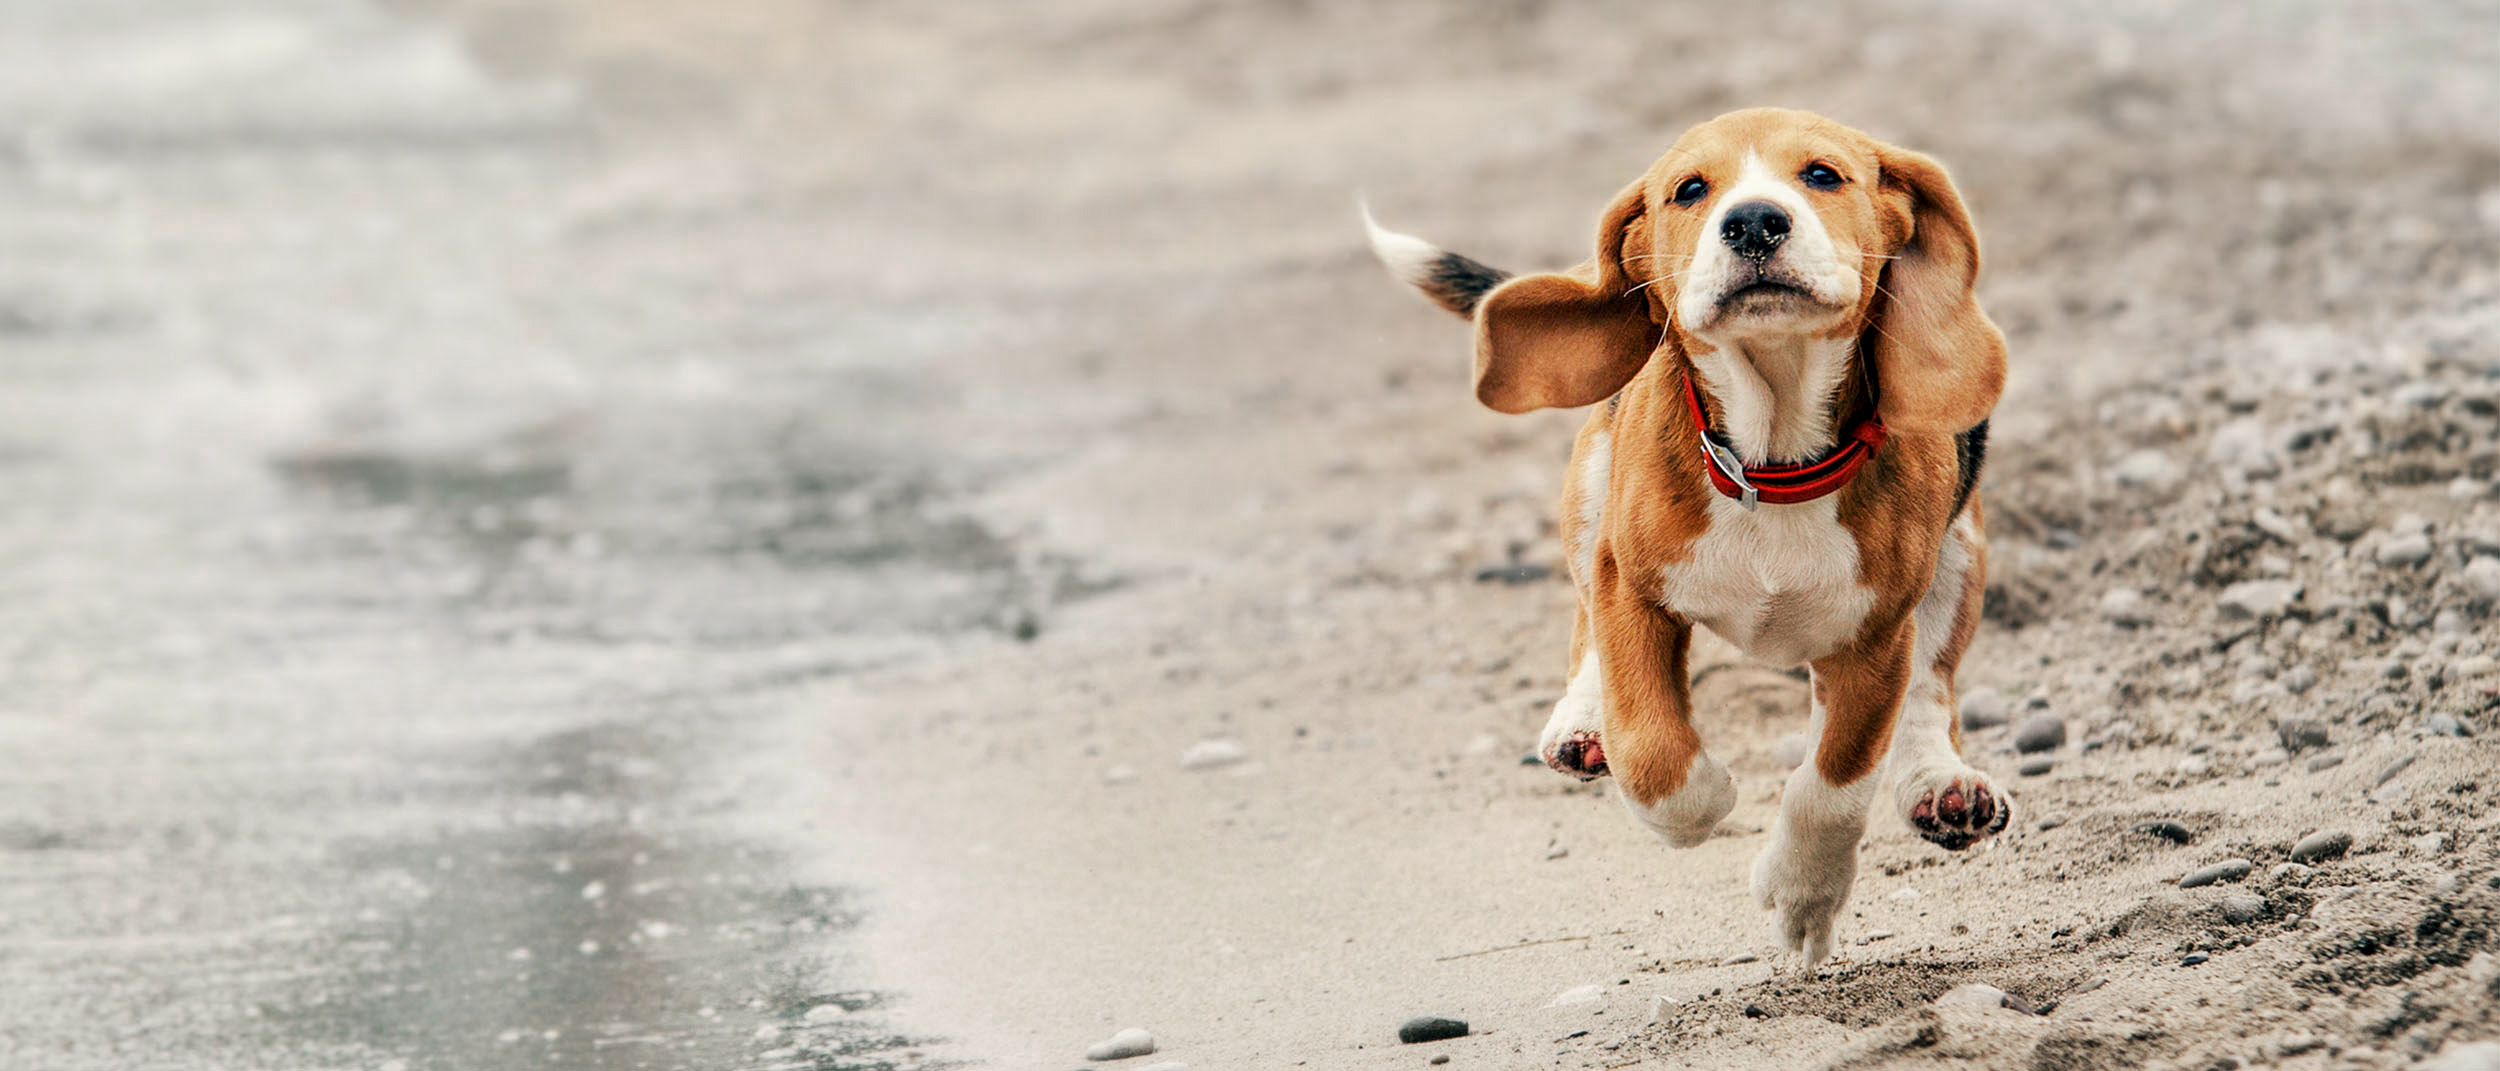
(1754, 229)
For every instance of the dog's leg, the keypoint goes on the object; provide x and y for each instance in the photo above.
(1573, 740)
(1803, 875)
(1939, 794)
(1668, 781)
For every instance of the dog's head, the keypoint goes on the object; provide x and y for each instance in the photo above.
(1761, 224)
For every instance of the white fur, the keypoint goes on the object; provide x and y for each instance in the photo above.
(1407, 257)
(1921, 759)
(1804, 873)
(1779, 582)
(1596, 470)
(1582, 709)
(1687, 816)
(1776, 393)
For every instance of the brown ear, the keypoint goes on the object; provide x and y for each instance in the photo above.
(1565, 339)
(1939, 362)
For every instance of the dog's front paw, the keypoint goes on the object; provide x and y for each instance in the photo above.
(1573, 741)
(1803, 891)
(1955, 808)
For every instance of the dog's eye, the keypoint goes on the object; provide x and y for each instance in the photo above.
(1692, 190)
(1821, 177)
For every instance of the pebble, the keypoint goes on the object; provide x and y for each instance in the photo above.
(2430, 844)
(1973, 995)
(1424, 1028)
(2288, 874)
(2273, 756)
(2443, 725)
(1212, 752)
(2226, 870)
(2045, 732)
(2298, 679)
(2482, 577)
(2194, 958)
(1790, 751)
(2125, 607)
(1439, 1060)
(2321, 762)
(2404, 550)
(2323, 844)
(2301, 734)
(1578, 994)
(2257, 598)
(1741, 957)
(2143, 468)
(2388, 772)
(1983, 709)
(2174, 832)
(2240, 909)
(1119, 775)
(1904, 895)
(1127, 1043)
(2036, 765)
(2051, 822)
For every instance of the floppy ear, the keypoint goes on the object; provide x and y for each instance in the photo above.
(1939, 362)
(1564, 339)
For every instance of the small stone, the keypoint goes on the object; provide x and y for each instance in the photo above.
(2296, 1044)
(2036, 766)
(2194, 958)
(2195, 766)
(2125, 608)
(1741, 957)
(2443, 725)
(1439, 1060)
(2174, 832)
(2404, 550)
(1556, 850)
(1119, 775)
(1756, 1011)
(2482, 577)
(1424, 1028)
(2226, 870)
(2273, 756)
(2051, 822)
(2288, 874)
(2388, 772)
(2323, 844)
(1983, 709)
(1904, 895)
(2301, 734)
(2257, 598)
(2043, 732)
(2324, 762)
(2143, 468)
(1578, 994)
(2240, 909)
(1973, 995)
(2430, 844)
(1790, 751)
(2298, 679)
(1212, 752)
(1127, 1043)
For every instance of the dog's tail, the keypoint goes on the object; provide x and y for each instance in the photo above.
(1452, 281)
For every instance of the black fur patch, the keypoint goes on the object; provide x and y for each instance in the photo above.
(1970, 450)
(1458, 283)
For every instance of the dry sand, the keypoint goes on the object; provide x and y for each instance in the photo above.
(2258, 244)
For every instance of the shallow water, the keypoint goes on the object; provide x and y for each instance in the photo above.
(408, 550)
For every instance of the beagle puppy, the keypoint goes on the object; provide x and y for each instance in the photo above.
(1795, 381)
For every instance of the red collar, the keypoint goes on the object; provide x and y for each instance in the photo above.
(1781, 485)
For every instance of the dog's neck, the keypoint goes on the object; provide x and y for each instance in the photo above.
(1781, 398)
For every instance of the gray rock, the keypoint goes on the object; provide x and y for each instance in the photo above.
(2166, 829)
(2193, 958)
(1424, 1028)
(2044, 732)
(1741, 957)
(2323, 844)
(2388, 772)
(2301, 734)
(2288, 874)
(2324, 762)
(2444, 725)
(2125, 607)
(2144, 468)
(2051, 822)
(2404, 550)
(1212, 752)
(2482, 577)
(2036, 765)
(1984, 708)
(2430, 844)
(2298, 679)
(2240, 909)
(1127, 1043)
(2273, 756)
(1973, 995)
(2226, 870)
(2257, 598)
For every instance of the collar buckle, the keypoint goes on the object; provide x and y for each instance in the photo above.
(1729, 465)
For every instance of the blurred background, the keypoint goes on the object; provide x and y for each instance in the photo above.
(493, 485)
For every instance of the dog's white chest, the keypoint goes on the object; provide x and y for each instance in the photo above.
(1781, 582)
